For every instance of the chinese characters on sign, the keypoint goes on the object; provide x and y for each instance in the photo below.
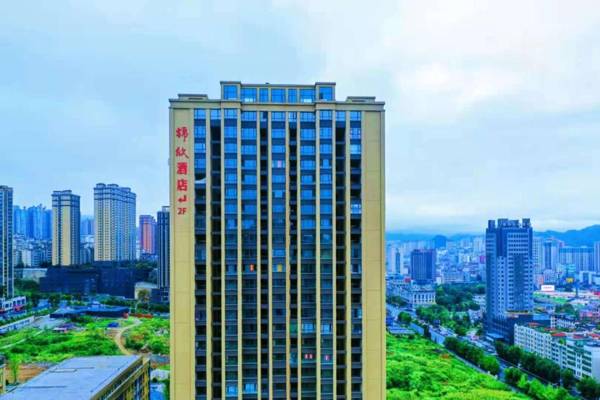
(181, 169)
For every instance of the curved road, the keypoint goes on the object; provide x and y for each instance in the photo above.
(119, 336)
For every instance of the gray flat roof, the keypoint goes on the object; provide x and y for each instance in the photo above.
(78, 378)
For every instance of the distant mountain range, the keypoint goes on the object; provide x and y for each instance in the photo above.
(582, 237)
(575, 237)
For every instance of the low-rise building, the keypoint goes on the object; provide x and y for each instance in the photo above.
(577, 351)
(93, 378)
(418, 295)
(563, 321)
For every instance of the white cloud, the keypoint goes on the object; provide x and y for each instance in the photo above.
(493, 107)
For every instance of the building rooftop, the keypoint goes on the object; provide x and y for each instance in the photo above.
(277, 94)
(78, 378)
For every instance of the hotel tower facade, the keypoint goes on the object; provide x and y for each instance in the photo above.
(277, 244)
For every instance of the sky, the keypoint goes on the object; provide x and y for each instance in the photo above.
(492, 107)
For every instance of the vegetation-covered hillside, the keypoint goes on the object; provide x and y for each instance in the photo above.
(418, 369)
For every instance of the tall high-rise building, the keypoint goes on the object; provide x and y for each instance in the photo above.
(422, 266)
(20, 220)
(87, 226)
(551, 253)
(162, 250)
(114, 223)
(582, 258)
(277, 222)
(509, 274)
(147, 235)
(597, 256)
(66, 241)
(6, 242)
(47, 225)
(537, 254)
(38, 223)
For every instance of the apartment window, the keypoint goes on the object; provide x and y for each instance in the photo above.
(326, 93)
(278, 163)
(230, 132)
(355, 115)
(307, 134)
(230, 92)
(230, 193)
(263, 94)
(355, 133)
(307, 150)
(230, 147)
(200, 131)
(326, 133)
(248, 95)
(325, 178)
(249, 133)
(326, 115)
(230, 163)
(278, 116)
(325, 148)
(307, 179)
(248, 164)
(248, 115)
(230, 113)
(307, 194)
(249, 149)
(278, 133)
(355, 149)
(199, 148)
(215, 113)
(340, 116)
(277, 95)
(292, 95)
(307, 117)
(199, 113)
(308, 164)
(307, 95)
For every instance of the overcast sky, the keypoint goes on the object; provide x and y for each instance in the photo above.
(492, 108)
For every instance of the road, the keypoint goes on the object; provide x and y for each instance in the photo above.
(119, 336)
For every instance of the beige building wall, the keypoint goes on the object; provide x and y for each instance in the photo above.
(65, 228)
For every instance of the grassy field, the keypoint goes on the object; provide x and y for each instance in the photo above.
(34, 345)
(152, 335)
(418, 369)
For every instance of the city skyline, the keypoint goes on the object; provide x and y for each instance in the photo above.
(452, 96)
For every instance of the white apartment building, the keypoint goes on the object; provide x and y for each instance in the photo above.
(579, 352)
(417, 296)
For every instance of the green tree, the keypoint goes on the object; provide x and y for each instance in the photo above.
(589, 388)
(512, 376)
(490, 364)
(15, 366)
(404, 318)
(568, 378)
(514, 354)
